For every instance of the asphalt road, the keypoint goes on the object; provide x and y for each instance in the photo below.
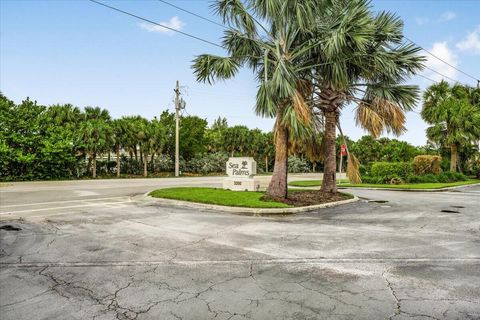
(98, 250)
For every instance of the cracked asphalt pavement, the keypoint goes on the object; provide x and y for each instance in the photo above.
(99, 250)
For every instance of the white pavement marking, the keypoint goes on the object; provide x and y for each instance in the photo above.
(86, 193)
(63, 201)
(68, 207)
(307, 261)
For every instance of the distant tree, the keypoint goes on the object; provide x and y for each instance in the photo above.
(192, 136)
(20, 139)
(95, 134)
(215, 135)
(121, 130)
(454, 121)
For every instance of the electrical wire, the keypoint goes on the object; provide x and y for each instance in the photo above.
(437, 57)
(433, 55)
(193, 13)
(155, 23)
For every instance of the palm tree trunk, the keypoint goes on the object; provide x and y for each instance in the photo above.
(329, 183)
(94, 168)
(453, 157)
(266, 164)
(145, 172)
(278, 184)
(118, 162)
(152, 161)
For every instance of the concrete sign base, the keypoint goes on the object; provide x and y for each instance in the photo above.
(241, 184)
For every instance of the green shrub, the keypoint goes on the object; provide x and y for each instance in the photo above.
(298, 165)
(425, 164)
(164, 163)
(373, 180)
(451, 177)
(443, 177)
(207, 163)
(391, 170)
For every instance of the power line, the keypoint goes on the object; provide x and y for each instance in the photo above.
(192, 13)
(155, 23)
(433, 55)
(437, 57)
(421, 75)
(435, 71)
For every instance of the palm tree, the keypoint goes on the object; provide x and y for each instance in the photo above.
(65, 115)
(95, 134)
(273, 51)
(120, 129)
(361, 58)
(454, 121)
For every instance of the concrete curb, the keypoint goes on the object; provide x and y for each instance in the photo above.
(412, 190)
(243, 210)
(393, 189)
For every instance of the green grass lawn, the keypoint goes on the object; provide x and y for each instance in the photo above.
(310, 183)
(412, 186)
(218, 196)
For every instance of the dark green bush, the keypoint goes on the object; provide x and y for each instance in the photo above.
(207, 163)
(391, 170)
(443, 177)
(452, 176)
(374, 180)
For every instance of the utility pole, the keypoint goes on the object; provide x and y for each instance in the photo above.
(177, 130)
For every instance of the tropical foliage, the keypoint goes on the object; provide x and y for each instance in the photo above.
(454, 115)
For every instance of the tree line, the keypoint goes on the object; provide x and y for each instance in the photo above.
(65, 142)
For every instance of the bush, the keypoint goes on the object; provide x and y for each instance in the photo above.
(164, 163)
(130, 166)
(298, 165)
(425, 164)
(373, 180)
(452, 176)
(105, 167)
(206, 163)
(391, 170)
(443, 177)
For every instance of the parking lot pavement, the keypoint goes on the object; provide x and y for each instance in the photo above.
(393, 255)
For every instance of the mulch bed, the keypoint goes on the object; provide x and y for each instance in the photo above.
(309, 198)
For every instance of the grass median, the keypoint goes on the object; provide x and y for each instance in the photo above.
(247, 199)
(410, 186)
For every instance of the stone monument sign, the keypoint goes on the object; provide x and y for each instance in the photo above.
(241, 173)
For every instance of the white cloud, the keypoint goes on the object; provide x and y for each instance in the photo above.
(174, 23)
(447, 16)
(471, 43)
(441, 50)
(422, 21)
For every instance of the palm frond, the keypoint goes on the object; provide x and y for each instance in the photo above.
(353, 168)
(208, 68)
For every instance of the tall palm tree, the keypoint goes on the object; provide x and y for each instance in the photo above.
(120, 131)
(361, 58)
(273, 51)
(95, 134)
(454, 121)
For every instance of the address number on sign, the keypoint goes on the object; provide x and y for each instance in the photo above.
(237, 183)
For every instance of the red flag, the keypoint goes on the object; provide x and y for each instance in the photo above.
(344, 150)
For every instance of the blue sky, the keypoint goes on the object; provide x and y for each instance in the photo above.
(81, 53)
